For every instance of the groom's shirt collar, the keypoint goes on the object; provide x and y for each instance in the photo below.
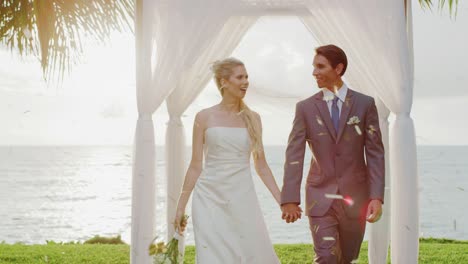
(328, 95)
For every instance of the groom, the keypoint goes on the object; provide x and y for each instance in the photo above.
(345, 183)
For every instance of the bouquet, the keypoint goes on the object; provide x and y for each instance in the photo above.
(173, 251)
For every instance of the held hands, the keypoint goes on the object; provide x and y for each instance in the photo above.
(291, 212)
(374, 211)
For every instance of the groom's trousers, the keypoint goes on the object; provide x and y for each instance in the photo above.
(337, 238)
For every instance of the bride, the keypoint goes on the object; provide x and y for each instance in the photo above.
(227, 220)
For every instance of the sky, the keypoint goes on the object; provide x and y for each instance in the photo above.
(96, 105)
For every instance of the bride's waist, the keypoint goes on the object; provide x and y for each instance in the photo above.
(228, 168)
(220, 162)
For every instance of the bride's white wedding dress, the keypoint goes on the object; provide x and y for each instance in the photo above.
(227, 220)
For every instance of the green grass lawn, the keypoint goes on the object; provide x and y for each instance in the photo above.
(437, 251)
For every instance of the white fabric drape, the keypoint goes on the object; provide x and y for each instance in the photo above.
(190, 85)
(375, 38)
(379, 233)
(144, 155)
(404, 173)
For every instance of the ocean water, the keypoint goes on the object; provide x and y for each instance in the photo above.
(74, 193)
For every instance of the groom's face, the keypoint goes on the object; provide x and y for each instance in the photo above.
(324, 73)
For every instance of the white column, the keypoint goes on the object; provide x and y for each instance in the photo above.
(143, 191)
(405, 193)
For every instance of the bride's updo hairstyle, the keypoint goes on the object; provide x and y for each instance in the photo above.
(223, 69)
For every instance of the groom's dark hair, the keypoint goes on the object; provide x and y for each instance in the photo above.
(334, 55)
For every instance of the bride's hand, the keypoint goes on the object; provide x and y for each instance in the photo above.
(180, 222)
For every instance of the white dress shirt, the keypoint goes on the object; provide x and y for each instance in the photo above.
(329, 95)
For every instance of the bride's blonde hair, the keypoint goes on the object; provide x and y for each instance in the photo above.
(223, 69)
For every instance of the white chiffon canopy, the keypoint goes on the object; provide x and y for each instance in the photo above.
(177, 39)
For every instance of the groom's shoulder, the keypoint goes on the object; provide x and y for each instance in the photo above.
(363, 98)
(310, 99)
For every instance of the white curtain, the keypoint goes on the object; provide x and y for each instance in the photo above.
(149, 98)
(190, 85)
(375, 38)
(404, 172)
(379, 233)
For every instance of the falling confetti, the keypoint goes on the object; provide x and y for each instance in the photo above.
(322, 134)
(461, 189)
(27, 33)
(333, 196)
(348, 200)
(294, 162)
(333, 251)
(316, 228)
(329, 238)
(336, 89)
(319, 121)
(312, 204)
(358, 130)
(371, 129)
(407, 227)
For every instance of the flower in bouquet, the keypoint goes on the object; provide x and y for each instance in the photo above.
(173, 251)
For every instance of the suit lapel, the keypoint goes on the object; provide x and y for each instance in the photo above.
(325, 113)
(345, 110)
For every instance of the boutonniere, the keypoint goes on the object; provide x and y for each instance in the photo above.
(354, 120)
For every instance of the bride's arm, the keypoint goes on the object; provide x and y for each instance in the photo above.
(194, 169)
(264, 171)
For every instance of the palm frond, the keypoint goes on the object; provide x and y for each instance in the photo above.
(52, 29)
(452, 5)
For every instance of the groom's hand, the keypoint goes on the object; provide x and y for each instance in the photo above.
(374, 211)
(291, 212)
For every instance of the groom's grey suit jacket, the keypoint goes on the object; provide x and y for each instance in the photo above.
(349, 162)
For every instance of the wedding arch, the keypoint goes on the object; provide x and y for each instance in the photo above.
(177, 39)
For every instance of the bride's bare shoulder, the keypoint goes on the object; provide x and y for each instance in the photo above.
(203, 115)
